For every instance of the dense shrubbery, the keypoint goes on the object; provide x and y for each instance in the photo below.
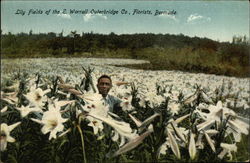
(164, 51)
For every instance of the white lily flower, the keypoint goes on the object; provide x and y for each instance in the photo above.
(153, 98)
(37, 97)
(158, 100)
(237, 124)
(167, 95)
(95, 124)
(126, 104)
(25, 110)
(98, 109)
(121, 92)
(163, 148)
(52, 121)
(93, 98)
(174, 107)
(5, 134)
(95, 107)
(227, 148)
(174, 96)
(122, 128)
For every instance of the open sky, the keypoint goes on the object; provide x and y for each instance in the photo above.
(217, 20)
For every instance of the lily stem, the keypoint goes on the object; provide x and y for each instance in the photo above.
(82, 140)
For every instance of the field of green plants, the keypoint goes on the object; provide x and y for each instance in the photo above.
(51, 112)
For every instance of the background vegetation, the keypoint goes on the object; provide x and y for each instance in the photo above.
(164, 51)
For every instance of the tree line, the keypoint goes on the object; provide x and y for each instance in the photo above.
(137, 46)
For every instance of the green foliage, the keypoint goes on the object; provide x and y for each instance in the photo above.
(171, 52)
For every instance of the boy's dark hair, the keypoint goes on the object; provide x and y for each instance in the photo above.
(104, 76)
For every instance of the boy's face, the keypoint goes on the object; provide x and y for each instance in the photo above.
(104, 85)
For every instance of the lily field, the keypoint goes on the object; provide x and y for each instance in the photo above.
(51, 112)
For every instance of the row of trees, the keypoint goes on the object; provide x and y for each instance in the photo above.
(91, 42)
(28, 44)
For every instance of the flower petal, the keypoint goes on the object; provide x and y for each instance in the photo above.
(4, 109)
(11, 127)
(192, 147)
(174, 146)
(132, 144)
(209, 140)
(10, 139)
(137, 122)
